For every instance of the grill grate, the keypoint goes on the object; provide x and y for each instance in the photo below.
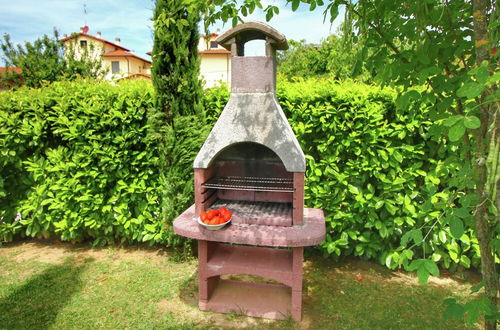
(251, 211)
(250, 183)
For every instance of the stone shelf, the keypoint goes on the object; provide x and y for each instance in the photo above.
(271, 263)
(312, 232)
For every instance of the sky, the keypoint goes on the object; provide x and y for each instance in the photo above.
(130, 20)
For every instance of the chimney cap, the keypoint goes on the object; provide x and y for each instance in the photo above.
(245, 32)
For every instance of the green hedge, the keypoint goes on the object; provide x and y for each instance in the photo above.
(378, 174)
(80, 161)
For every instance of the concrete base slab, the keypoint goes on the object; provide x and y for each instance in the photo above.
(253, 299)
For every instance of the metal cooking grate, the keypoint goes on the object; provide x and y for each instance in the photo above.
(250, 183)
(256, 210)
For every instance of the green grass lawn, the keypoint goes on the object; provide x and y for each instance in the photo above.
(64, 286)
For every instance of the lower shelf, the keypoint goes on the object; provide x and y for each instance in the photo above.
(252, 299)
(274, 264)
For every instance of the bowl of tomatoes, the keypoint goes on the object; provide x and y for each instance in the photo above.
(215, 219)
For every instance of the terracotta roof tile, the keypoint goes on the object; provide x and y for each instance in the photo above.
(10, 69)
(119, 53)
(215, 51)
(95, 38)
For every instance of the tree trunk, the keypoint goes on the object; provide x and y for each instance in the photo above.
(483, 137)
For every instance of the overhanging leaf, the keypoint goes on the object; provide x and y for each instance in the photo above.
(472, 122)
(456, 132)
(423, 275)
(470, 90)
(431, 267)
(452, 120)
(456, 227)
(453, 310)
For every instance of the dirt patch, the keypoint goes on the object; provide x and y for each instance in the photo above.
(190, 312)
(55, 252)
(34, 251)
(136, 255)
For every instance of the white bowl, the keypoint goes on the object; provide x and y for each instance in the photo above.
(213, 227)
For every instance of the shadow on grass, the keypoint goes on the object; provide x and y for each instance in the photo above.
(36, 303)
(357, 294)
(188, 290)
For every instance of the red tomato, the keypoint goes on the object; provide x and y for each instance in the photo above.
(216, 220)
(211, 214)
(226, 217)
(203, 216)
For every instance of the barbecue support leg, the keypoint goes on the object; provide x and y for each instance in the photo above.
(298, 257)
(298, 199)
(206, 285)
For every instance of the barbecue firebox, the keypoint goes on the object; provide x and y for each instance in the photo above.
(252, 164)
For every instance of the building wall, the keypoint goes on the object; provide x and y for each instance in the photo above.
(123, 65)
(215, 68)
(128, 65)
(138, 66)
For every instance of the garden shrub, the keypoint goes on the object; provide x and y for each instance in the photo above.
(384, 181)
(80, 161)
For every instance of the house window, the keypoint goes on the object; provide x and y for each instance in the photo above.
(83, 43)
(115, 67)
(214, 44)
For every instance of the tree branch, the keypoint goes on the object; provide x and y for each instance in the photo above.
(460, 111)
(379, 32)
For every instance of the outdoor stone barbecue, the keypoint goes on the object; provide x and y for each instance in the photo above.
(252, 164)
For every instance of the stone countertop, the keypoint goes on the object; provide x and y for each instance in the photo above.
(312, 232)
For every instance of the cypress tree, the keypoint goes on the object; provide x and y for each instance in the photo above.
(176, 65)
(177, 116)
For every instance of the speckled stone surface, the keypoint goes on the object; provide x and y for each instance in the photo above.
(258, 118)
(253, 74)
(312, 232)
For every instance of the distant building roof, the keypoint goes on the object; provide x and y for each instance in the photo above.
(215, 51)
(16, 81)
(120, 53)
(95, 38)
(11, 69)
(206, 51)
